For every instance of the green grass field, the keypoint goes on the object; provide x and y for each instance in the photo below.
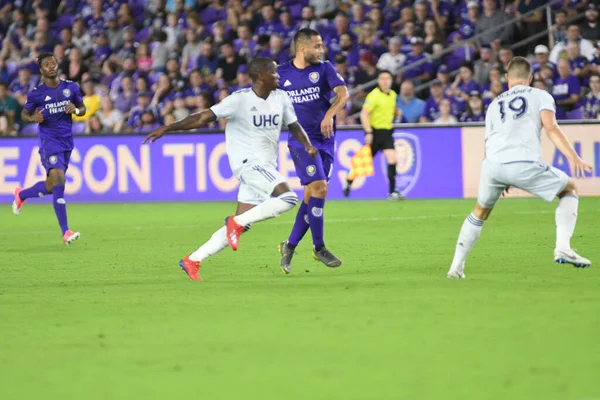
(113, 316)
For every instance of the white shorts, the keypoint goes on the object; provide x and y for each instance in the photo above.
(258, 182)
(537, 178)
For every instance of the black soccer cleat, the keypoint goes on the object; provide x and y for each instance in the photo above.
(286, 256)
(327, 258)
(346, 190)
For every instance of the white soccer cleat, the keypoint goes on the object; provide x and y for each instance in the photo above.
(17, 203)
(456, 273)
(570, 257)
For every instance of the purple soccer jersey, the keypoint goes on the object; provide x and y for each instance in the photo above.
(562, 90)
(311, 90)
(55, 133)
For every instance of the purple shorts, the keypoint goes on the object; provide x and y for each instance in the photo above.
(52, 159)
(311, 169)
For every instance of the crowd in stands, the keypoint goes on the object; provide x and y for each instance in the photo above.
(143, 63)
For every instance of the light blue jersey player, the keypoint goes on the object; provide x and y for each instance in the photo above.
(311, 84)
(513, 153)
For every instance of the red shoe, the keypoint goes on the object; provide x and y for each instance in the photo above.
(191, 268)
(70, 236)
(234, 231)
(18, 203)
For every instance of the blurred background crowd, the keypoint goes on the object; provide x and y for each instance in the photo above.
(142, 63)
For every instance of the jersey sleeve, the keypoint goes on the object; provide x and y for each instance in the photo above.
(77, 96)
(369, 103)
(334, 79)
(30, 104)
(289, 115)
(547, 101)
(227, 107)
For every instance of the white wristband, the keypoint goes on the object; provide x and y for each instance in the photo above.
(77, 111)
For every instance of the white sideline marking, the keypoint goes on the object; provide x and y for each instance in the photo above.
(329, 221)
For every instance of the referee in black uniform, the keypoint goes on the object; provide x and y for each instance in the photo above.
(377, 116)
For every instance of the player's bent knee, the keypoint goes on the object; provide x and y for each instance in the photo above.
(318, 189)
(481, 212)
(570, 189)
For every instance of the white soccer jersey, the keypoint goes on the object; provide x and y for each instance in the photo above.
(253, 126)
(513, 124)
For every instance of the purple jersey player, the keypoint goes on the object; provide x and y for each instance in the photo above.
(50, 105)
(310, 82)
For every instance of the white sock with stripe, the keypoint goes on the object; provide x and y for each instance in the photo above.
(469, 233)
(566, 219)
(269, 209)
(216, 243)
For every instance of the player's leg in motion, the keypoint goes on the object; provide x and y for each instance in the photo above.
(313, 174)
(566, 219)
(217, 242)
(391, 158)
(56, 165)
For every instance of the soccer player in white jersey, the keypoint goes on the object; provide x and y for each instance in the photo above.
(255, 117)
(513, 153)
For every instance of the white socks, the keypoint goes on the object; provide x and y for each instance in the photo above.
(469, 233)
(268, 209)
(216, 243)
(566, 218)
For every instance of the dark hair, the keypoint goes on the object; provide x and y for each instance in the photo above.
(304, 35)
(594, 75)
(42, 57)
(573, 24)
(469, 66)
(385, 71)
(259, 65)
(562, 11)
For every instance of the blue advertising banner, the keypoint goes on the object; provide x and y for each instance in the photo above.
(194, 167)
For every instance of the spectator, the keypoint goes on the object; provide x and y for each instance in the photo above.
(8, 112)
(169, 119)
(228, 63)
(542, 60)
(134, 121)
(125, 15)
(432, 106)
(287, 27)
(244, 45)
(308, 19)
(95, 21)
(23, 84)
(215, 12)
(221, 95)
(81, 39)
(74, 68)
(102, 50)
(587, 48)
(393, 60)
(208, 61)
(177, 80)
(195, 25)
(123, 96)
(270, 24)
(367, 72)
(496, 89)
(559, 29)
(493, 18)
(375, 15)
(59, 53)
(143, 59)
(114, 33)
(141, 84)
(412, 107)
(407, 15)
(548, 75)
(468, 24)
(180, 111)
(348, 50)
(494, 77)
(93, 125)
(445, 118)
(333, 39)
(532, 23)
(357, 19)
(591, 102)
(589, 28)
(110, 118)
(407, 34)
(566, 90)
(433, 35)
(173, 32)
(163, 96)
(421, 15)
(323, 8)
(160, 53)
(441, 12)
(580, 66)
(368, 40)
(276, 51)
(149, 122)
(484, 65)
(424, 70)
(341, 66)
(475, 111)
(91, 100)
(130, 46)
(464, 84)
(242, 79)
(504, 57)
(195, 88)
(191, 52)
(539, 84)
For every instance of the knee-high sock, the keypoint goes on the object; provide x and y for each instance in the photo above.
(300, 227)
(316, 221)
(37, 190)
(566, 219)
(216, 243)
(60, 207)
(469, 233)
(391, 172)
(271, 208)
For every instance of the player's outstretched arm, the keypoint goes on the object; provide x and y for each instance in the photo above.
(300, 134)
(560, 140)
(193, 121)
